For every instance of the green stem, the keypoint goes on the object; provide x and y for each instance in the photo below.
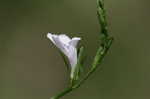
(102, 51)
(98, 60)
(67, 90)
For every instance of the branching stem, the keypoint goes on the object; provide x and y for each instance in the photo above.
(97, 61)
(101, 52)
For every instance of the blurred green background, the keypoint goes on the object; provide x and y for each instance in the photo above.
(31, 67)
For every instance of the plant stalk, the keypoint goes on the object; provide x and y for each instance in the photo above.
(97, 61)
(101, 52)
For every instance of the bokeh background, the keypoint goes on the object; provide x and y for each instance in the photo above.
(31, 67)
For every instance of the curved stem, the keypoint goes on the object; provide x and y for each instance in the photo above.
(102, 51)
(98, 60)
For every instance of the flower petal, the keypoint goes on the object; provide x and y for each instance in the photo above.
(74, 41)
(64, 39)
(67, 46)
(50, 36)
(60, 45)
(72, 56)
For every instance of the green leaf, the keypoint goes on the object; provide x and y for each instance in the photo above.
(80, 55)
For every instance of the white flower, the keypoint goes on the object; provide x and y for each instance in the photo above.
(67, 46)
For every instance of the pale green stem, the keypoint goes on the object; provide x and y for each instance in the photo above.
(102, 51)
(98, 60)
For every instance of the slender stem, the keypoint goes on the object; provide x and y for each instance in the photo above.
(98, 60)
(102, 51)
(67, 90)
